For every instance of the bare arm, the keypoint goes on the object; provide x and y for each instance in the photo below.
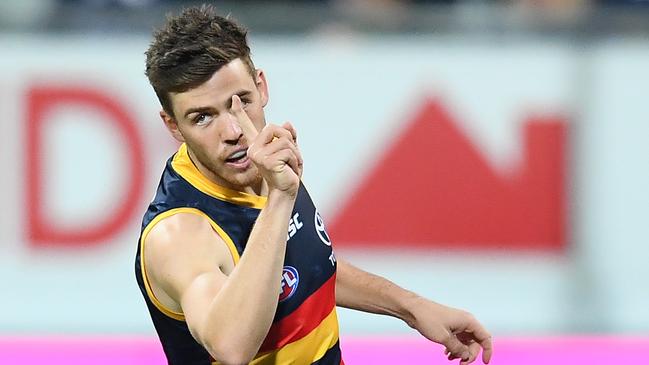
(457, 330)
(230, 315)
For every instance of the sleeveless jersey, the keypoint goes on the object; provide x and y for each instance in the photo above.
(305, 326)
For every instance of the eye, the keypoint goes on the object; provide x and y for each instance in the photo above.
(245, 102)
(202, 119)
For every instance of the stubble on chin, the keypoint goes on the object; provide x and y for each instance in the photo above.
(255, 178)
(241, 181)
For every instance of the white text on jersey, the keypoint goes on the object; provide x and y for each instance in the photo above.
(294, 225)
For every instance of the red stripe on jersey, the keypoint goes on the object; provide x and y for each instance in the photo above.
(304, 319)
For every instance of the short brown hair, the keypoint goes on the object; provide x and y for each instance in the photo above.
(190, 48)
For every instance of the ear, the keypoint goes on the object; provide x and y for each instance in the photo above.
(172, 126)
(262, 86)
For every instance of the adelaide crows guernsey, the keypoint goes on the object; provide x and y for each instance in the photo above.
(305, 326)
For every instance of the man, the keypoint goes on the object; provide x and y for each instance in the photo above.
(233, 261)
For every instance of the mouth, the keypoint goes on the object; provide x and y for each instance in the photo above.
(238, 159)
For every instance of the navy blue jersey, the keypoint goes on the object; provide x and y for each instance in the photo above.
(305, 326)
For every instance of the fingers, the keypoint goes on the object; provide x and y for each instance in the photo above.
(456, 349)
(270, 141)
(487, 350)
(273, 132)
(289, 127)
(247, 127)
(259, 147)
(288, 157)
(483, 338)
(275, 143)
(474, 350)
(280, 144)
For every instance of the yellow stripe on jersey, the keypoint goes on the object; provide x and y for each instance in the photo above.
(183, 165)
(306, 350)
(228, 241)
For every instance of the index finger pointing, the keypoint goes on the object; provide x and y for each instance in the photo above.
(248, 129)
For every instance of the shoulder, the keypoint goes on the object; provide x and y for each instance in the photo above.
(182, 222)
(180, 247)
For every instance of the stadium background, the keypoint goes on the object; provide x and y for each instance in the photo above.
(491, 155)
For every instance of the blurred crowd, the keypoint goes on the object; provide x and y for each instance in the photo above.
(590, 16)
(379, 3)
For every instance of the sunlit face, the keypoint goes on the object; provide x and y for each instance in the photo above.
(203, 119)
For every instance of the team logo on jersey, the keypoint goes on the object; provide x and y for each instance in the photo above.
(320, 229)
(290, 281)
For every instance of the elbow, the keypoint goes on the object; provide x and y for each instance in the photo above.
(232, 358)
(232, 361)
(230, 353)
(226, 346)
(236, 357)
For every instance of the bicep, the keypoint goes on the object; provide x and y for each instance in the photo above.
(185, 257)
(197, 298)
(345, 274)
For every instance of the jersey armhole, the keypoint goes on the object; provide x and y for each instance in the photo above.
(149, 291)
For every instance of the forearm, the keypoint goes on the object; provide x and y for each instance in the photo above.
(360, 290)
(243, 310)
(457, 330)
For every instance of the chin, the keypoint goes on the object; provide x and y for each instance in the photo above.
(244, 180)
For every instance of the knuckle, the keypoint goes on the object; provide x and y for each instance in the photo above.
(446, 339)
(267, 128)
(256, 157)
(285, 143)
(283, 133)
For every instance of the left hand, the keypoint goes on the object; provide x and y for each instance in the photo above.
(455, 329)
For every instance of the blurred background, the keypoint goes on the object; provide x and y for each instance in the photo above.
(490, 155)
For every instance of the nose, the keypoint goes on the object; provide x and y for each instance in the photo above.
(232, 131)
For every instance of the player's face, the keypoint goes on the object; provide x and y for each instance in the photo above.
(204, 120)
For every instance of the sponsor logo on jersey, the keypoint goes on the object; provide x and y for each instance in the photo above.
(320, 229)
(294, 225)
(290, 281)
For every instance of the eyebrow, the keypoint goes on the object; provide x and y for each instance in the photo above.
(210, 109)
(199, 109)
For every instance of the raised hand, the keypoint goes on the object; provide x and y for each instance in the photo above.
(273, 150)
